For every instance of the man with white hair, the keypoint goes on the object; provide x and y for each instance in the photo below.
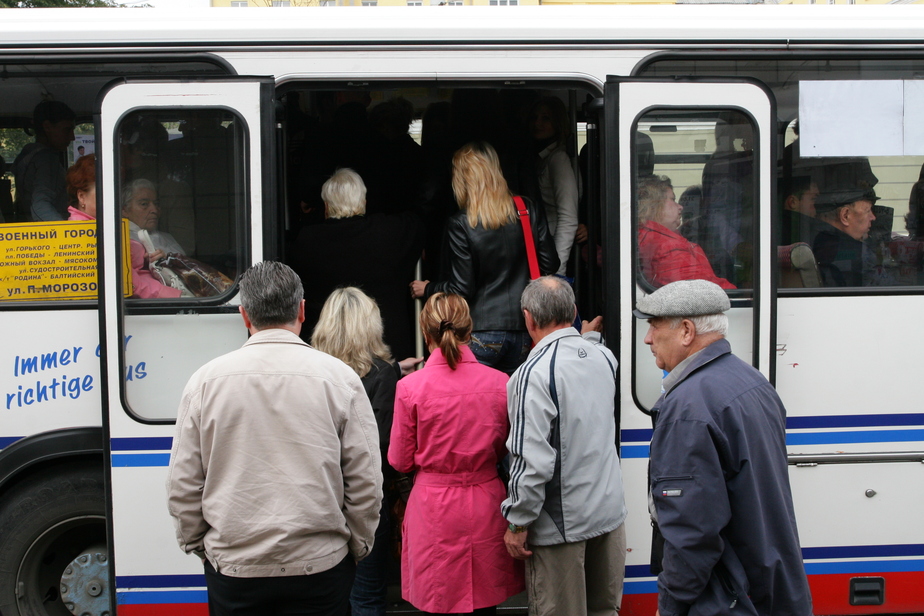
(725, 537)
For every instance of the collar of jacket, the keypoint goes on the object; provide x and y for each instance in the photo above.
(655, 227)
(275, 335)
(556, 335)
(437, 358)
(708, 354)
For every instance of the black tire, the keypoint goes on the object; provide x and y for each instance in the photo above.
(45, 522)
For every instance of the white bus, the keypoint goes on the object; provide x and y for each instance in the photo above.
(238, 116)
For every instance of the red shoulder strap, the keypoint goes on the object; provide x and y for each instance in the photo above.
(528, 237)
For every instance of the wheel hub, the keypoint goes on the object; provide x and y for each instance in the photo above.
(85, 583)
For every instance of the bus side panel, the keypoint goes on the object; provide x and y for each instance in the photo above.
(50, 367)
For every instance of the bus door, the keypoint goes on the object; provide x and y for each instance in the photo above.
(687, 167)
(184, 170)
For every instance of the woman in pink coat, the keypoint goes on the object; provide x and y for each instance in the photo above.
(450, 426)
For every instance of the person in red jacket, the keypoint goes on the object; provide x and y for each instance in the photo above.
(664, 255)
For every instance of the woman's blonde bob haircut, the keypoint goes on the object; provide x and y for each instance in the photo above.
(350, 328)
(652, 191)
(446, 321)
(480, 188)
(344, 194)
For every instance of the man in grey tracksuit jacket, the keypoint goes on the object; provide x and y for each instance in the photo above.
(565, 494)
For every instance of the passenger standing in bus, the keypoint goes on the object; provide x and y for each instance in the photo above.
(725, 537)
(275, 477)
(40, 167)
(484, 257)
(450, 425)
(350, 328)
(376, 253)
(565, 507)
(557, 183)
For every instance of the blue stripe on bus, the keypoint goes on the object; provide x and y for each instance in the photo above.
(6, 441)
(162, 596)
(125, 582)
(863, 551)
(140, 459)
(855, 421)
(634, 451)
(151, 443)
(879, 566)
(640, 588)
(862, 436)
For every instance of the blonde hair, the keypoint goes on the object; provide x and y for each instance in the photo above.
(480, 188)
(652, 192)
(350, 328)
(344, 194)
(445, 320)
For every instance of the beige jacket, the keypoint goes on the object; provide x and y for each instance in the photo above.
(275, 469)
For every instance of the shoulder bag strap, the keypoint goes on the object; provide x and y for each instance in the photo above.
(528, 237)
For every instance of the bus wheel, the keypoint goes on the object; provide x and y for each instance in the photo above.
(48, 523)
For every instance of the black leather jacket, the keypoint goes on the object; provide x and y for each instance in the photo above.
(488, 267)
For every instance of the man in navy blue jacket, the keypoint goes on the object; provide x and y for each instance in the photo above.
(718, 475)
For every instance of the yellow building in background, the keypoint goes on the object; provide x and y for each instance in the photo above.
(291, 3)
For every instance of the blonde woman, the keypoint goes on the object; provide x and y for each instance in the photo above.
(664, 255)
(485, 257)
(350, 328)
(450, 427)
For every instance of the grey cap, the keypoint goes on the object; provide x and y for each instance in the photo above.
(831, 200)
(684, 298)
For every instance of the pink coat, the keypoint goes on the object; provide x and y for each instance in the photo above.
(450, 426)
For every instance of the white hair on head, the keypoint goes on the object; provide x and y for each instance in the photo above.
(344, 194)
(705, 324)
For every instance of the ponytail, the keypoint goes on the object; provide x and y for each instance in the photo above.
(445, 320)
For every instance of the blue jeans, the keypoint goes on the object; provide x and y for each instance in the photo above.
(370, 583)
(502, 350)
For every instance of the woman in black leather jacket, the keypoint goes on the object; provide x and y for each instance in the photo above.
(484, 257)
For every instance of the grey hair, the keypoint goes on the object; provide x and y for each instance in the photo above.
(350, 328)
(271, 293)
(704, 324)
(128, 191)
(344, 194)
(549, 301)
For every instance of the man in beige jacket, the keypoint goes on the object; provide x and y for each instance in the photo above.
(275, 474)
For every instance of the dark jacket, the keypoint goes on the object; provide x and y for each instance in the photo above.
(847, 262)
(720, 484)
(376, 253)
(380, 383)
(488, 267)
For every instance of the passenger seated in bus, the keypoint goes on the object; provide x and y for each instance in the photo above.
(145, 153)
(665, 255)
(81, 190)
(798, 223)
(844, 259)
(726, 231)
(550, 127)
(40, 167)
(484, 257)
(139, 206)
(376, 253)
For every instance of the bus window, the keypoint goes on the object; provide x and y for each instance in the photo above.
(695, 203)
(181, 192)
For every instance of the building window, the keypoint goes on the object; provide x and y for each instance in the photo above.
(415, 2)
(282, 3)
(239, 4)
(504, 2)
(370, 2)
(328, 2)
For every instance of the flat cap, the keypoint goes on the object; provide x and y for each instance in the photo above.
(834, 199)
(684, 298)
